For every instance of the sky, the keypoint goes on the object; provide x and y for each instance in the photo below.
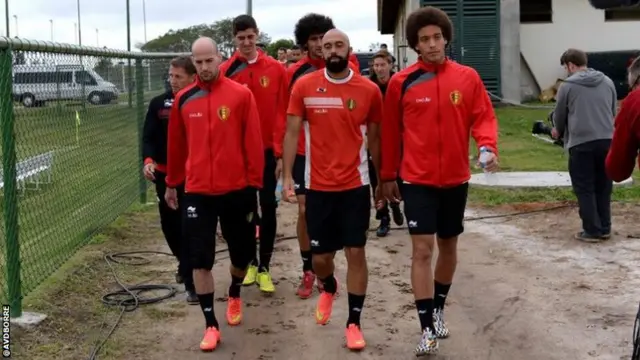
(358, 18)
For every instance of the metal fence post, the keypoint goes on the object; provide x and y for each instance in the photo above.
(12, 260)
(140, 117)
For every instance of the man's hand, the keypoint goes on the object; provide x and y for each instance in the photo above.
(171, 198)
(149, 171)
(554, 133)
(391, 192)
(278, 168)
(288, 190)
(492, 163)
(379, 197)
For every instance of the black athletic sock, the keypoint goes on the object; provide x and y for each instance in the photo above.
(440, 295)
(206, 303)
(306, 261)
(268, 224)
(425, 313)
(330, 285)
(356, 303)
(234, 288)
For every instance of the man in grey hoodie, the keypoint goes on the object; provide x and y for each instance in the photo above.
(583, 118)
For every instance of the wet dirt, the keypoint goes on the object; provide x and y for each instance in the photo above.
(524, 289)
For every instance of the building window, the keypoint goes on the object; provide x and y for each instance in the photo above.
(622, 14)
(536, 11)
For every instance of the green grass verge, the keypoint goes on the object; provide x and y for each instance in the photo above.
(95, 178)
(519, 151)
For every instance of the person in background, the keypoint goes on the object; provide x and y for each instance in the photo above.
(182, 73)
(621, 159)
(308, 33)
(214, 128)
(267, 80)
(430, 110)
(384, 47)
(381, 64)
(583, 117)
(295, 55)
(282, 56)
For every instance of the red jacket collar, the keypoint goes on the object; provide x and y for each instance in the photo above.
(237, 56)
(430, 67)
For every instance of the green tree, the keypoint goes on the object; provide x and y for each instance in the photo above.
(272, 49)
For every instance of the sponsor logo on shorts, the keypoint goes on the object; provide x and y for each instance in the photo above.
(191, 212)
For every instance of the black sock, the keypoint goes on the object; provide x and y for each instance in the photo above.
(234, 288)
(425, 313)
(263, 268)
(440, 295)
(306, 261)
(356, 302)
(206, 303)
(330, 285)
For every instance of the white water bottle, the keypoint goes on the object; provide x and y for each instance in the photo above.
(279, 191)
(482, 159)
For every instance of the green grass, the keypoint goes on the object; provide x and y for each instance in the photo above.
(94, 180)
(519, 151)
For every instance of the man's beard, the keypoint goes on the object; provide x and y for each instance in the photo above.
(337, 66)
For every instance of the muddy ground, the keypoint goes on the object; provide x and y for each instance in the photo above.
(524, 290)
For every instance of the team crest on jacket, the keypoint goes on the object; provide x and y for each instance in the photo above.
(264, 81)
(351, 104)
(223, 113)
(455, 97)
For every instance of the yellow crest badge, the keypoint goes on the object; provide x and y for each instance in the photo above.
(264, 81)
(455, 97)
(351, 104)
(224, 113)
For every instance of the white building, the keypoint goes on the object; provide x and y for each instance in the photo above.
(532, 34)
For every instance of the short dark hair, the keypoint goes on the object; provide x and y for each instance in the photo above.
(295, 47)
(244, 22)
(185, 63)
(426, 16)
(282, 48)
(574, 56)
(383, 45)
(382, 54)
(311, 24)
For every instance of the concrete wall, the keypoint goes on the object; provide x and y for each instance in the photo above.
(510, 66)
(404, 55)
(575, 24)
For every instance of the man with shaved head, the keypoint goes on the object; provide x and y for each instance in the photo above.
(215, 143)
(341, 111)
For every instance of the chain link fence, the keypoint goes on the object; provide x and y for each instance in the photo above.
(71, 129)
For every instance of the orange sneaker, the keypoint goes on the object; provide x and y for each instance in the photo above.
(324, 307)
(306, 286)
(210, 340)
(234, 311)
(355, 340)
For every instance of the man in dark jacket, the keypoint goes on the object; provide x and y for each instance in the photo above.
(181, 73)
(382, 63)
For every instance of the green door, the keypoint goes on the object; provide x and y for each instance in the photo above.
(476, 35)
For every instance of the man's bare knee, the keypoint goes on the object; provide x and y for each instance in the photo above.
(422, 249)
(356, 257)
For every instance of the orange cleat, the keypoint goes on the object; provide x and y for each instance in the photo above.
(355, 340)
(306, 286)
(210, 340)
(234, 311)
(324, 307)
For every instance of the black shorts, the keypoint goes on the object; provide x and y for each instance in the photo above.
(430, 210)
(338, 219)
(236, 211)
(299, 174)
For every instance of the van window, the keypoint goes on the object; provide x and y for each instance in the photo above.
(86, 78)
(43, 77)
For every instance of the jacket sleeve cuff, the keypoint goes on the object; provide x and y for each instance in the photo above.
(490, 148)
(148, 161)
(388, 176)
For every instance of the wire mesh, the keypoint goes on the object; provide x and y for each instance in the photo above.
(70, 161)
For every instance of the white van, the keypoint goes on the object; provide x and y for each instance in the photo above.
(34, 85)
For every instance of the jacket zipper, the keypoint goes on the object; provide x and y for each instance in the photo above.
(211, 162)
(439, 131)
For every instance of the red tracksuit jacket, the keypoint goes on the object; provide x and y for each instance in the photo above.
(431, 110)
(267, 80)
(626, 139)
(214, 139)
(305, 66)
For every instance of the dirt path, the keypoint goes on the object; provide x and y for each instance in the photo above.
(516, 295)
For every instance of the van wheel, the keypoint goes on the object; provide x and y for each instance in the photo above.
(95, 98)
(28, 100)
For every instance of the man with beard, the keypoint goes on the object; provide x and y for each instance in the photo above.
(308, 33)
(430, 110)
(341, 111)
(216, 145)
(182, 73)
(267, 80)
(380, 76)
